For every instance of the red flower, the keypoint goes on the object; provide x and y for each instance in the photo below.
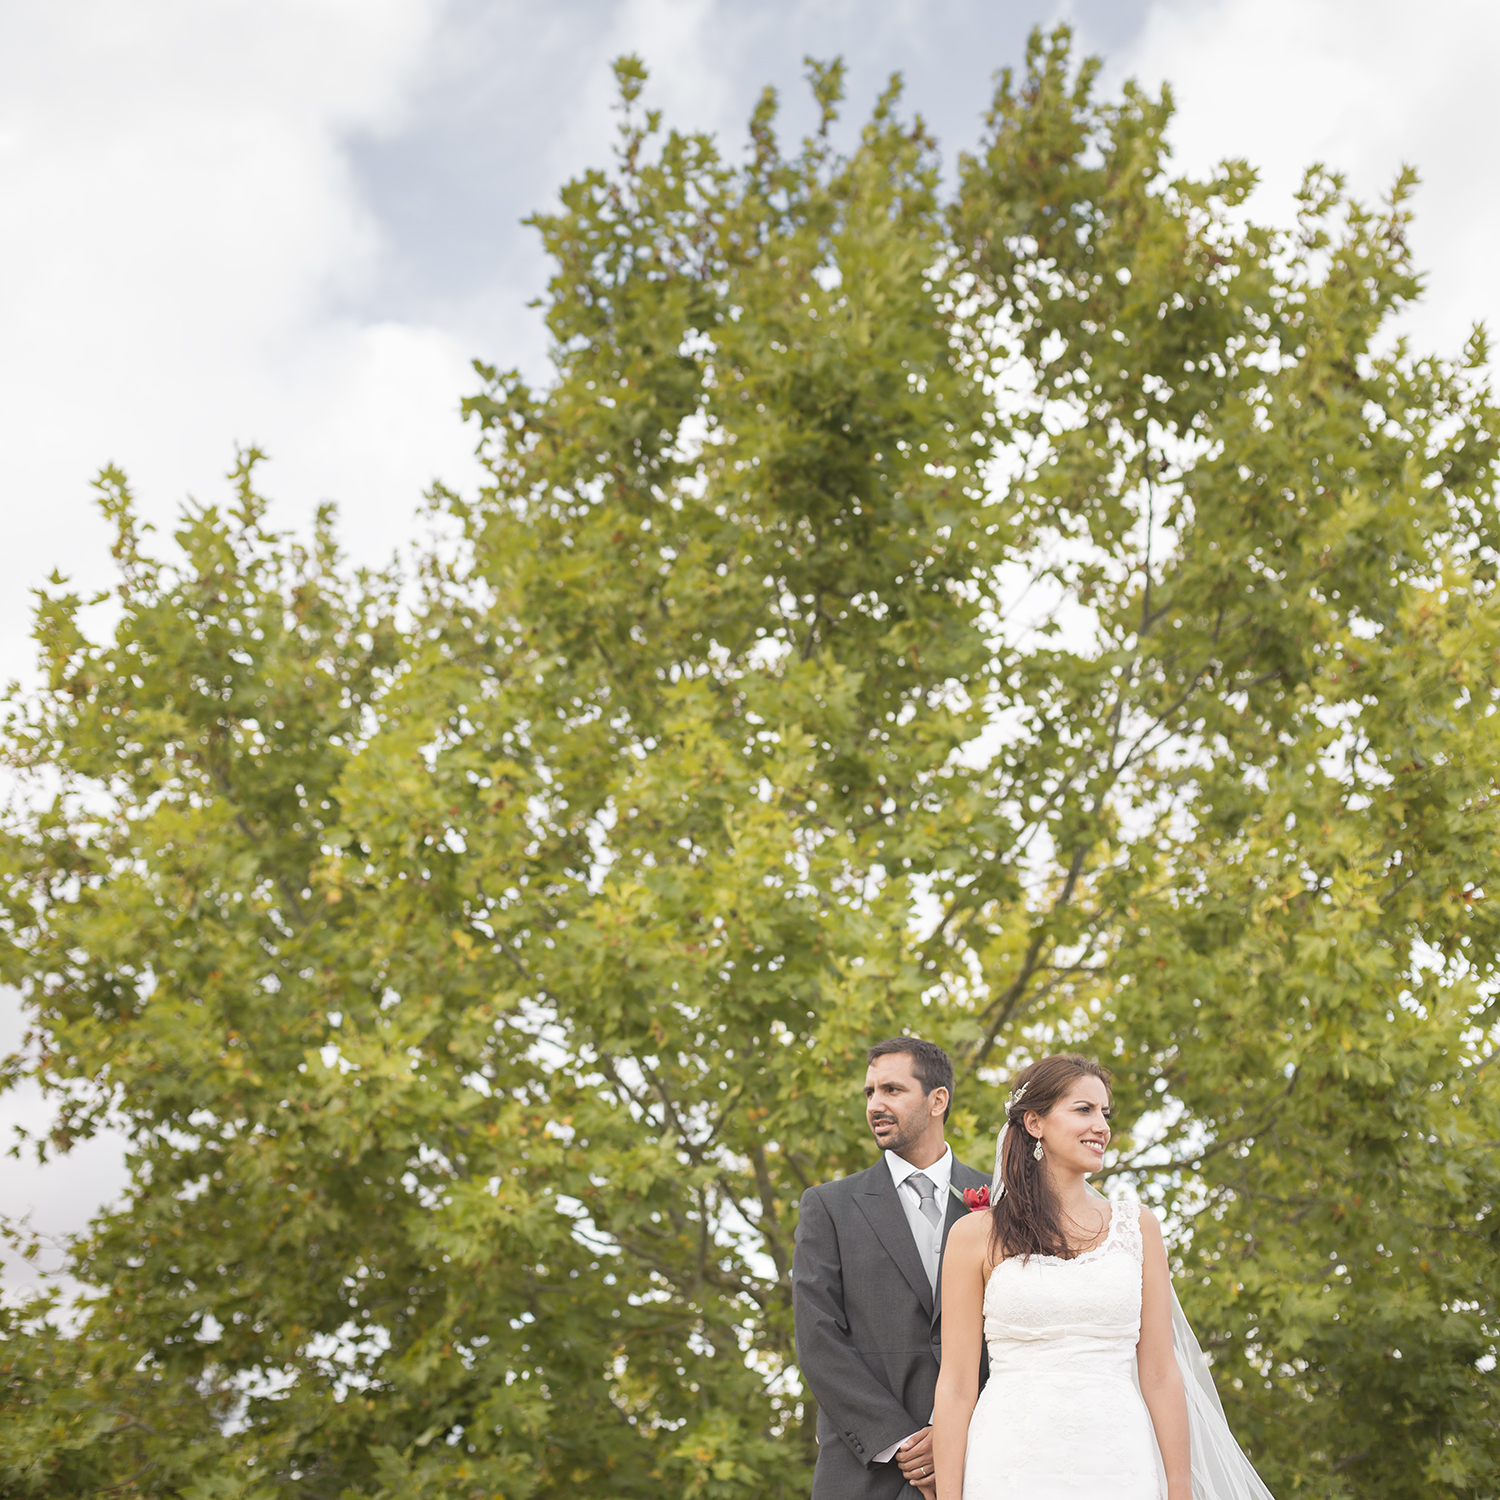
(978, 1199)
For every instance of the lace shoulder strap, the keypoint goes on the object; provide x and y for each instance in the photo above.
(1126, 1228)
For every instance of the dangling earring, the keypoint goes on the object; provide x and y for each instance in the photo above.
(1038, 1152)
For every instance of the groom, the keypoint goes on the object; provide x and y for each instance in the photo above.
(865, 1283)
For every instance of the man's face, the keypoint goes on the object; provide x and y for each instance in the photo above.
(897, 1109)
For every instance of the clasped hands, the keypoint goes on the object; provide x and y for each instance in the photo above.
(914, 1457)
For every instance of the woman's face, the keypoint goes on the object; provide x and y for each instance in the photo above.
(1075, 1131)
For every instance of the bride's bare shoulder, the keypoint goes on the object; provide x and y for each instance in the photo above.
(970, 1236)
(1150, 1227)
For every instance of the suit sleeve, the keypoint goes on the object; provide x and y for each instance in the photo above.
(863, 1412)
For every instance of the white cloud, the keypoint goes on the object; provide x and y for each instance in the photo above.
(1363, 86)
(183, 232)
(56, 1200)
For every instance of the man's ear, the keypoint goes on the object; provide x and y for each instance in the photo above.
(934, 1107)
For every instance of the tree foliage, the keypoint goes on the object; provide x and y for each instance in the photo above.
(1057, 613)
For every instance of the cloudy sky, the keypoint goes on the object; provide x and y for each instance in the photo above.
(295, 222)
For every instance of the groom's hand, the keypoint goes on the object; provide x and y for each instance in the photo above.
(915, 1461)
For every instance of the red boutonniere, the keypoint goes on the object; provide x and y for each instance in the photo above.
(978, 1199)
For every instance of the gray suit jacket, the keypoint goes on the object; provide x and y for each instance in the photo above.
(869, 1329)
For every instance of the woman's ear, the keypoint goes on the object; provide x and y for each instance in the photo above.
(1032, 1122)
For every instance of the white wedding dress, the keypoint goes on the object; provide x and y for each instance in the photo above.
(1061, 1416)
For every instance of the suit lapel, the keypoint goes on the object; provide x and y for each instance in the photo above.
(881, 1205)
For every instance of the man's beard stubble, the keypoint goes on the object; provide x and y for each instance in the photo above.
(907, 1134)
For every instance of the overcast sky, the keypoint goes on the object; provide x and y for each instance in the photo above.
(295, 222)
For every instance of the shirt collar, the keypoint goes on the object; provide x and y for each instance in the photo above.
(940, 1173)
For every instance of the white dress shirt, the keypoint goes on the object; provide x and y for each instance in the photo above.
(928, 1237)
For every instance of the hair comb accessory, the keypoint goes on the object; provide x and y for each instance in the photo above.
(1015, 1098)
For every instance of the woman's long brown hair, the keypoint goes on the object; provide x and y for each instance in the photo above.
(1026, 1221)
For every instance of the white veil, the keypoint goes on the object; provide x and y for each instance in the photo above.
(1220, 1470)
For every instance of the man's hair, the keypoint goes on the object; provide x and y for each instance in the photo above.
(931, 1065)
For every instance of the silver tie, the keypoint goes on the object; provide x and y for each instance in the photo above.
(928, 1194)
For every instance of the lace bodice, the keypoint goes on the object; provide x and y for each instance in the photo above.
(1061, 1414)
(1097, 1293)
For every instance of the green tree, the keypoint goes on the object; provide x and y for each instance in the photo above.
(1058, 614)
(1268, 776)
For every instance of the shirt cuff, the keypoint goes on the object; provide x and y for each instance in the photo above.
(895, 1448)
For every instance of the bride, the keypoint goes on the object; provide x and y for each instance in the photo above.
(1097, 1389)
